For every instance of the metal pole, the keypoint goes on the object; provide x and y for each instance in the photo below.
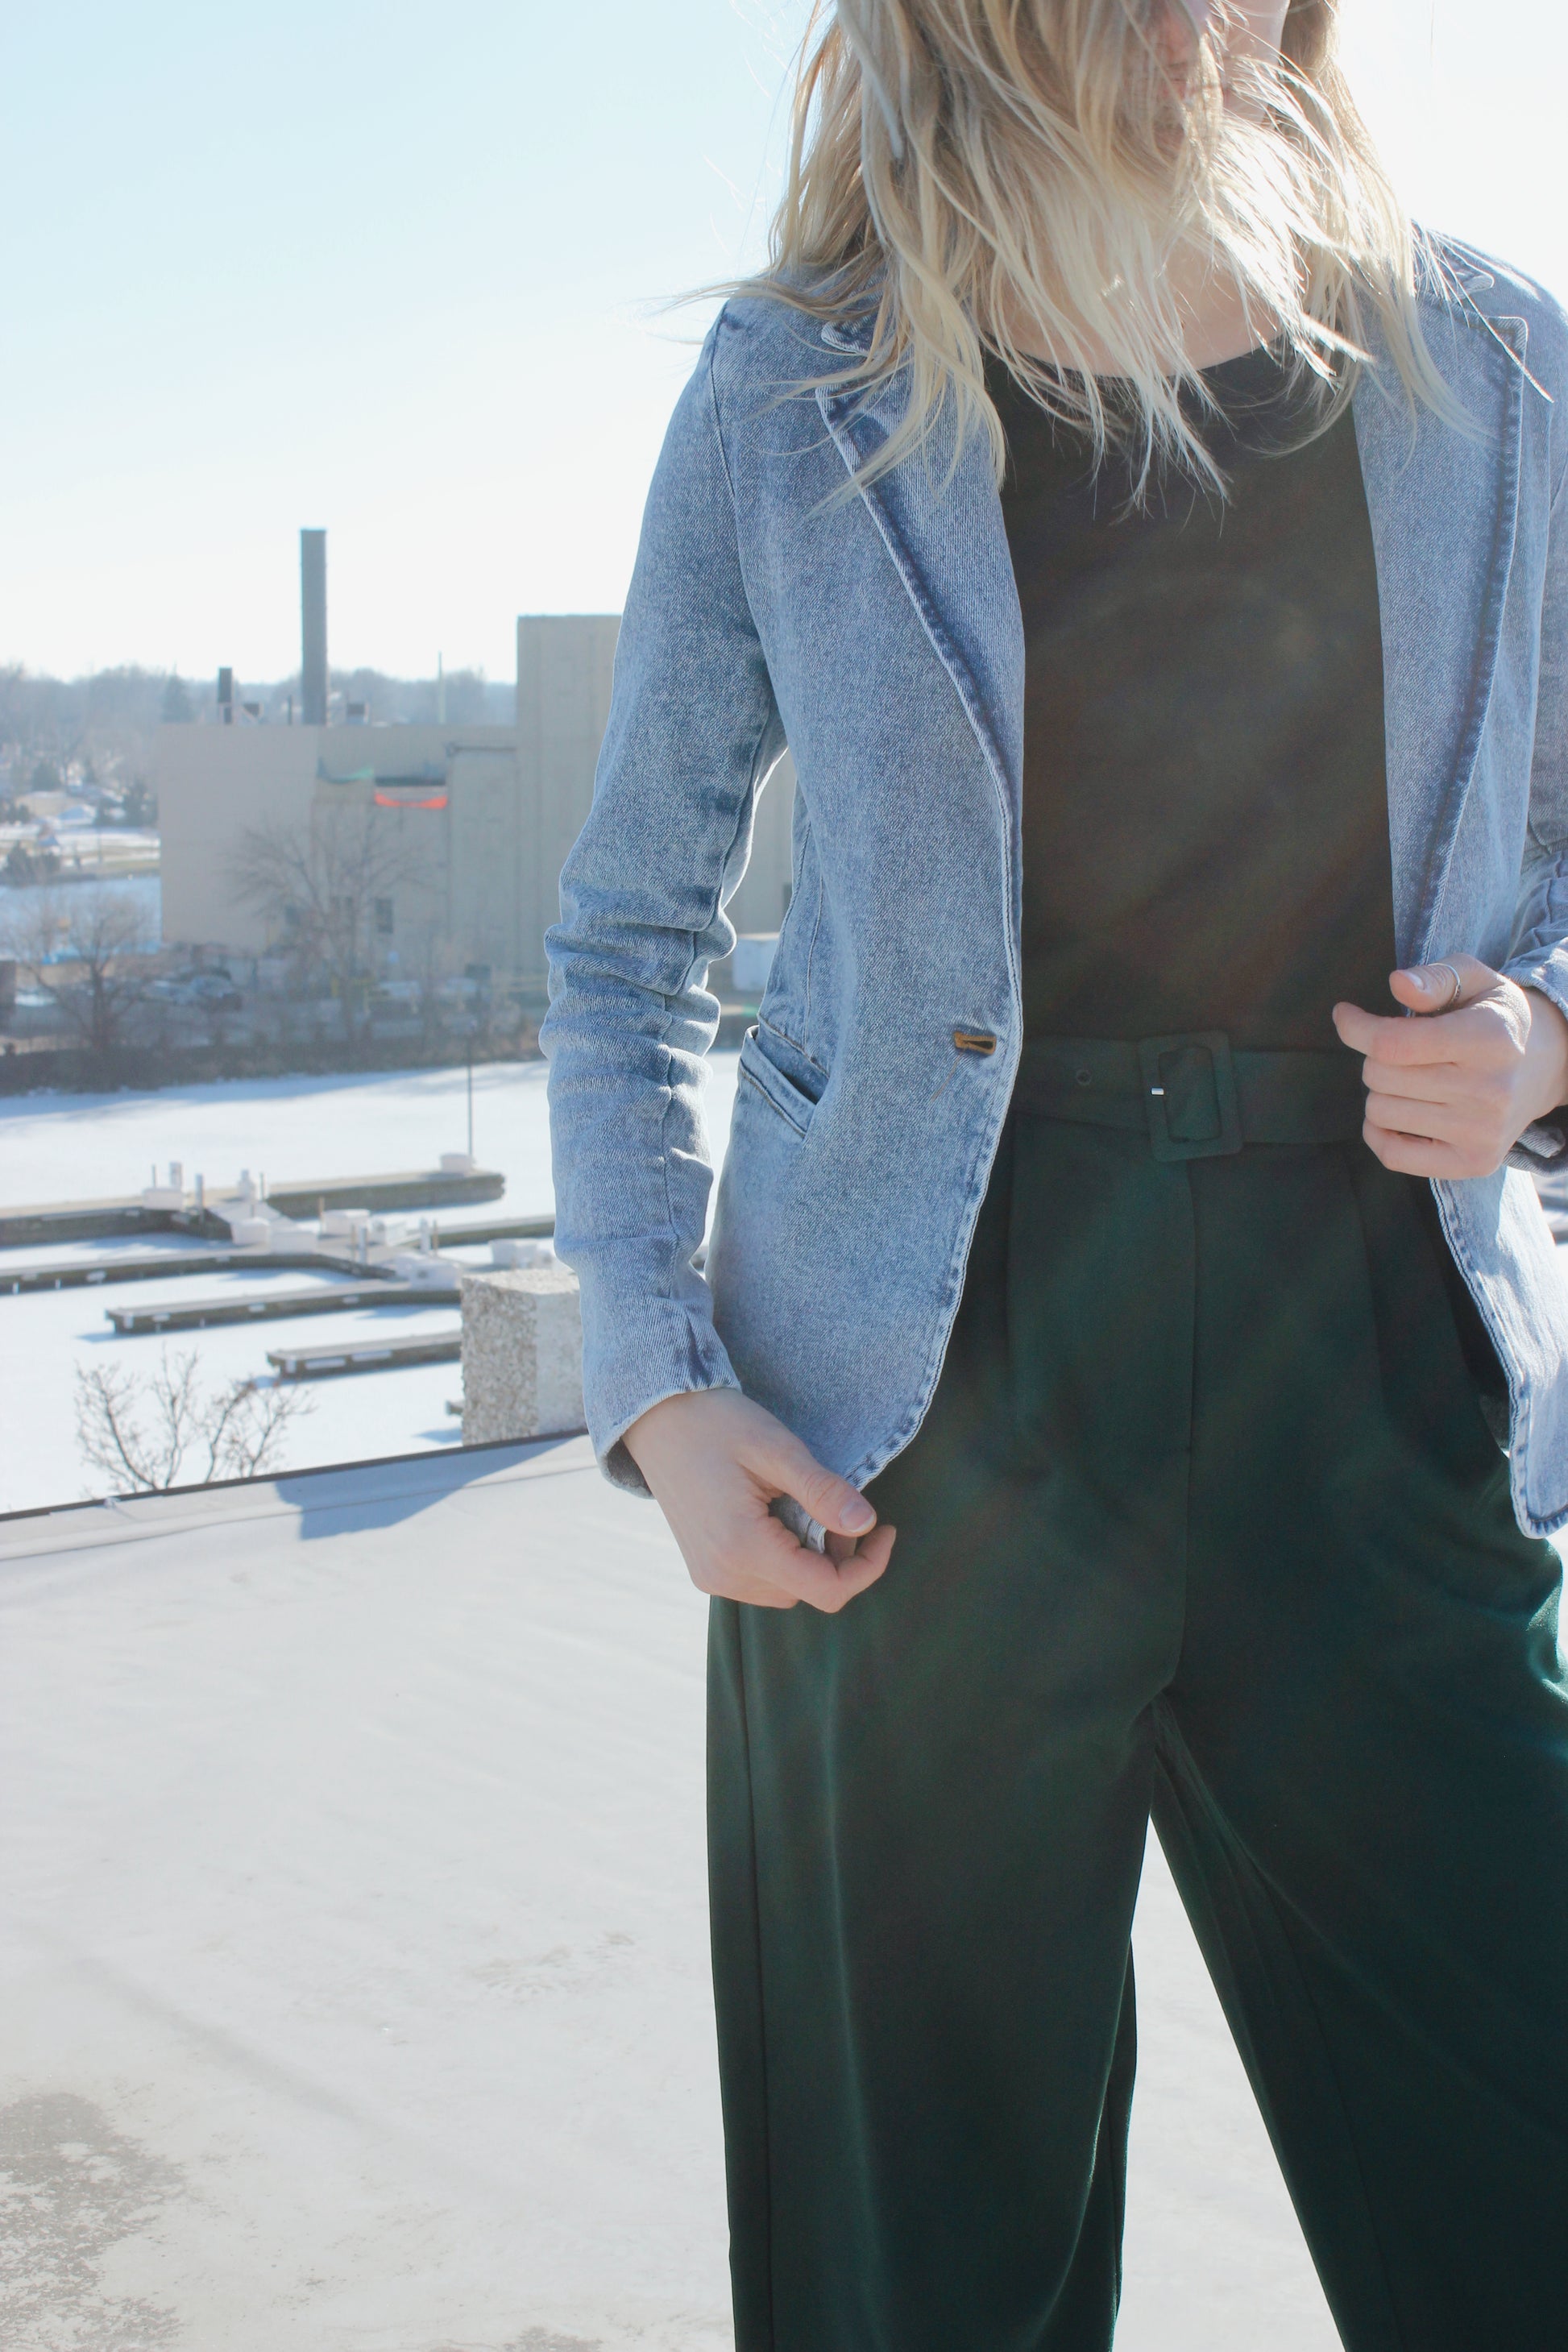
(471, 1098)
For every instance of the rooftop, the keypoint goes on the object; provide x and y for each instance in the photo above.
(353, 1990)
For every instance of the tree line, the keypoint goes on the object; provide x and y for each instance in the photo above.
(98, 729)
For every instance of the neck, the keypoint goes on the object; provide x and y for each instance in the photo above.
(1217, 324)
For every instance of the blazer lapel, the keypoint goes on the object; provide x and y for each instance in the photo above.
(1443, 508)
(942, 527)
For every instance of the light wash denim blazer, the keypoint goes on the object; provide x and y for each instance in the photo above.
(879, 635)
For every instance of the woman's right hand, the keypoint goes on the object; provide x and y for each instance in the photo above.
(714, 1462)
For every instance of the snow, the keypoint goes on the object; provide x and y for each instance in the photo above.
(77, 900)
(76, 1147)
(353, 1972)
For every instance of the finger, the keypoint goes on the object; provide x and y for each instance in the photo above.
(1441, 986)
(1467, 1034)
(812, 1578)
(747, 1563)
(874, 1553)
(791, 1468)
(1414, 1155)
(746, 1591)
(1366, 1033)
(1437, 1122)
(1458, 1147)
(843, 1548)
(1431, 1082)
(766, 1552)
(1431, 987)
(1481, 1097)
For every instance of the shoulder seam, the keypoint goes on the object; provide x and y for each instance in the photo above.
(713, 405)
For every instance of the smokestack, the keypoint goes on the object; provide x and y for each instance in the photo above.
(226, 697)
(313, 627)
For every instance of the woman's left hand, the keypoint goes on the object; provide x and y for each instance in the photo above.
(1451, 1094)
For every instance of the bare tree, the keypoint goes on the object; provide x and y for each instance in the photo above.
(141, 1430)
(105, 721)
(319, 885)
(83, 948)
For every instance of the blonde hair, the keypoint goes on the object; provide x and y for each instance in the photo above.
(966, 172)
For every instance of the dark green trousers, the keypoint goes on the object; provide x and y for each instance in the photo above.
(1204, 1522)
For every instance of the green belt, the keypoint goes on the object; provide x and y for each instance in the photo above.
(1192, 1094)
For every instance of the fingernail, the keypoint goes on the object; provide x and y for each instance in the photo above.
(1422, 980)
(858, 1515)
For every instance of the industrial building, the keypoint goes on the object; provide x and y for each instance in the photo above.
(485, 814)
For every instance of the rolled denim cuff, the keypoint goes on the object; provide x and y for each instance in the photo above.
(1543, 1142)
(1541, 1145)
(660, 1349)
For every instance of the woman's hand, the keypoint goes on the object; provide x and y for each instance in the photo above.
(1452, 1094)
(714, 1462)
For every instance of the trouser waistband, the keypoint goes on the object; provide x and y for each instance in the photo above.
(1192, 1094)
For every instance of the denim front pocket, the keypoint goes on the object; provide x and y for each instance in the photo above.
(784, 1090)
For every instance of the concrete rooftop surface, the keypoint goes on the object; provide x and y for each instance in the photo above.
(354, 1978)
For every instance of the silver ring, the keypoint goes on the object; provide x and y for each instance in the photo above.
(1459, 983)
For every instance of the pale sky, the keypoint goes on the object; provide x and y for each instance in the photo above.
(396, 269)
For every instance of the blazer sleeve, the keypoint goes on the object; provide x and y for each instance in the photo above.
(1538, 957)
(693, 732)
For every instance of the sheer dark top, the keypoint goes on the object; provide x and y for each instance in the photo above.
(1205, 816)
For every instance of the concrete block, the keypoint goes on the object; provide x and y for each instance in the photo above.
(522, 1354)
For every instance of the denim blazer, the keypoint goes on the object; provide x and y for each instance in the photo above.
(878, 634)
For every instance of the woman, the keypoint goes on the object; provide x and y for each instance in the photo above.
(1155, 558)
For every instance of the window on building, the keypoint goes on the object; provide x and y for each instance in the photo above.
(383, 919)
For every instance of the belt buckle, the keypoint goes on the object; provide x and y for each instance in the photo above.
(1189, 1095)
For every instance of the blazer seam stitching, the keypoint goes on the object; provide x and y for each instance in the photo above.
(772, 1101)
(747, 797)
(718, 325)
(792, 1043)
(1483, 671)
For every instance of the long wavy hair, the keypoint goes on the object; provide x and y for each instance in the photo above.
(1014, 177)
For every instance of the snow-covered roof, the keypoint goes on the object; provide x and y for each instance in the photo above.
(354, 1970)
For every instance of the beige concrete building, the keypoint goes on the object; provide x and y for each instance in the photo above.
(486, 815)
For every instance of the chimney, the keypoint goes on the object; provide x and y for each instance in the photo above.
(313, 627)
